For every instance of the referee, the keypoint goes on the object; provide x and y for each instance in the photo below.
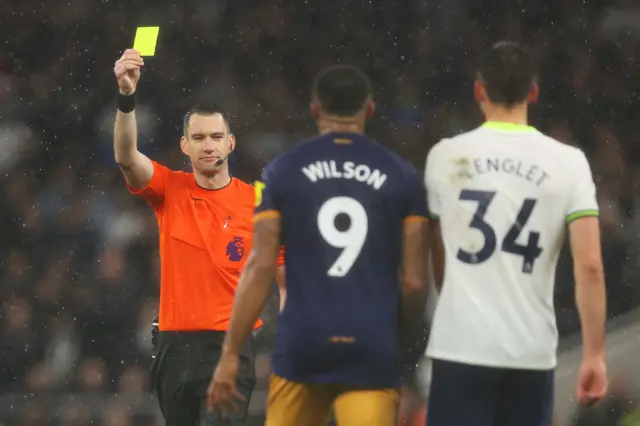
(206, 227)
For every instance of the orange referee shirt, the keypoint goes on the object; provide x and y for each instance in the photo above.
(205, 239)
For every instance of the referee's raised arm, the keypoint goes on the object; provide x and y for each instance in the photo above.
(137, 167)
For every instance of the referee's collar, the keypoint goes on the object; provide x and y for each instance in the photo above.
(197, 192)
(508, 127)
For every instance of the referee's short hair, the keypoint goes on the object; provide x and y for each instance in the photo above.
(507, 72)
(205, 109)
(341, 90)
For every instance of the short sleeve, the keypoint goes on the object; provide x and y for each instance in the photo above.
(416, 197)
(268, 192)
(582, 193)
(431, 184)
(267, 201)
(153, 192)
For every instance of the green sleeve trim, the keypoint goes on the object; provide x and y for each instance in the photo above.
(433, 216)
(582, 213)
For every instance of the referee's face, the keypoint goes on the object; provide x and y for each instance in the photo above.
(207, 141)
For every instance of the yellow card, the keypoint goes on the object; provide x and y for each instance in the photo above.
(146, 39)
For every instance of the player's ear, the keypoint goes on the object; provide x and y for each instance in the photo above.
(534, 92)
(478, 91)
(315, 110)
(371, 108)
(183, 145)
(232, 143)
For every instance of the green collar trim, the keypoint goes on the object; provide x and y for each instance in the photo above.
(508, 127)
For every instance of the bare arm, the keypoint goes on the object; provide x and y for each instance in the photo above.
(135, 166)
(281, 286)
(437, 253)
(414, 272)
(255, 283)
(584, 235)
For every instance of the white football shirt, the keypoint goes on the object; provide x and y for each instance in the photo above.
(503, 194)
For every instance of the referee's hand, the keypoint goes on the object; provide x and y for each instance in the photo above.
(222, 392)
(127, 71)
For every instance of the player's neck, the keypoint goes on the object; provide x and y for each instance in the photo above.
(500, 114)
(217, 181)
(340, 125)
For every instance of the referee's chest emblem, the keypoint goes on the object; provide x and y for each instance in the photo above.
(235, 249)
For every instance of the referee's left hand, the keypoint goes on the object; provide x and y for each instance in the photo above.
(222, 392)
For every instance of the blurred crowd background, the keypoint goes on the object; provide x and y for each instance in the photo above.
(78, 254)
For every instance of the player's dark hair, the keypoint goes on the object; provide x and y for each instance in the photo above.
(507, 71)
(205, 109)
(341, 90)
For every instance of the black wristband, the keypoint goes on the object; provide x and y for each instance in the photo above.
(126, 103)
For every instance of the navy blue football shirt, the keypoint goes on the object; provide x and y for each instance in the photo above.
(342, 199)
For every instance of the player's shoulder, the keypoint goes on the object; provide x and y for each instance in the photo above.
(561, 157)
(297, 153)
(393, 162)
(453, 143)
(277, 165)
(460, 140)
(293, 157)
(565, 150)
(391, 156)
(464, 137)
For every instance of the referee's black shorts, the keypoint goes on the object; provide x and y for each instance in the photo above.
(181, 371)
